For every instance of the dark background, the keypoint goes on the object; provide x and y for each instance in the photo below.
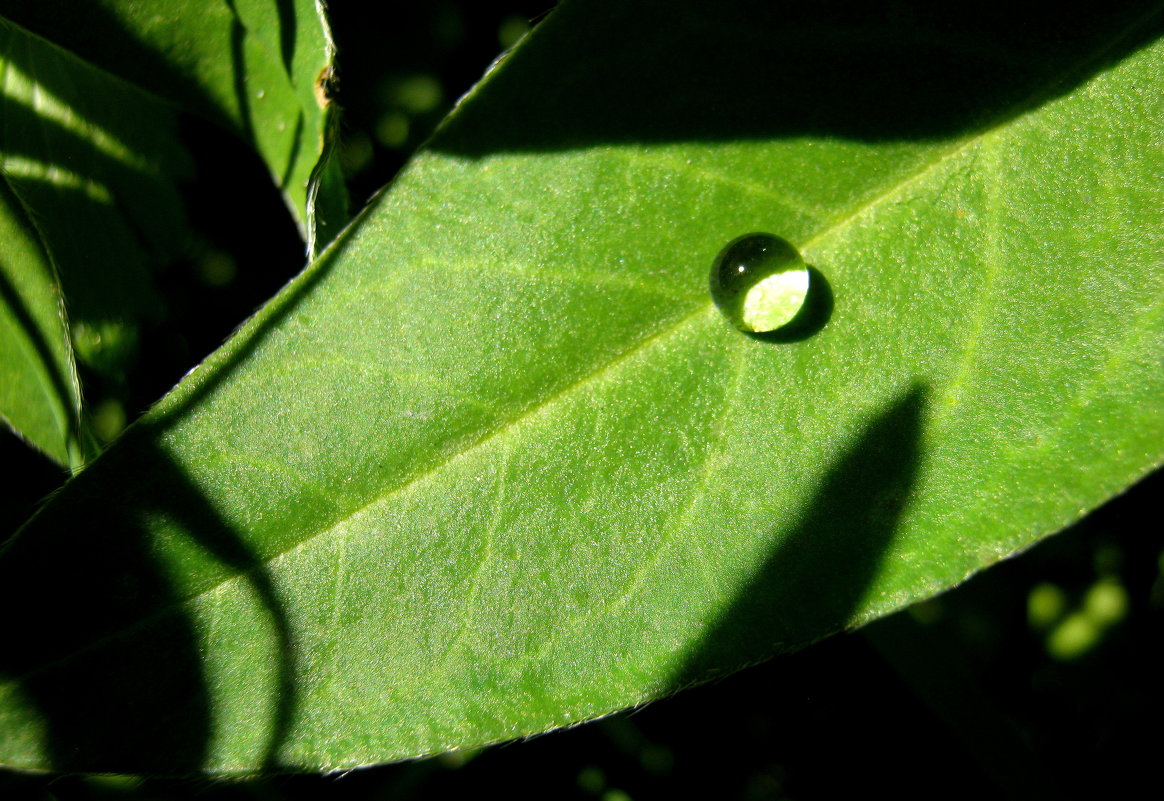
(1036, 679)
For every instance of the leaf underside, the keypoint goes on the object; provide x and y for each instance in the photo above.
(495, 463)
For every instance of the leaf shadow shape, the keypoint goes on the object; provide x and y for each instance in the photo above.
(102, 648)
(814, 581)
(614, 72)
(288, 31)
(238, 69)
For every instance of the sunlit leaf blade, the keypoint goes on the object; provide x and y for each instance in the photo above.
(39, 395)
(495, 463)
(259, 66)
(95, 161)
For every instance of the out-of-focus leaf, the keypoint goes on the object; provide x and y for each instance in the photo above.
(94, 160)
(261, 67)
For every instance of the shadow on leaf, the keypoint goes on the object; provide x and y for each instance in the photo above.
(695, 71)
(829, 562)
(103, 648)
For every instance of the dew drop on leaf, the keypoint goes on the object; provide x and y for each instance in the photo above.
(759, 282)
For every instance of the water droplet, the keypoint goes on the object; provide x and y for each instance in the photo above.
(760, 282)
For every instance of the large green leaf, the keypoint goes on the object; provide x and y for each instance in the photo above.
(39, 394)
(261, 67)
(496, 464)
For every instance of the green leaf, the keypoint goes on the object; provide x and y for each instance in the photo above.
(495, 463)
(95, 161)
(39, 394)
(261, 67)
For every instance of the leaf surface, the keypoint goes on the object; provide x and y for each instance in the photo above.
(261, 67)
(495, 463)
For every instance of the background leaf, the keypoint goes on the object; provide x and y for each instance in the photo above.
(95, 161)
(39, 394)
(260, 67)
(495, 464)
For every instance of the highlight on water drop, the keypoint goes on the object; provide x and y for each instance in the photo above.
(761, 283)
